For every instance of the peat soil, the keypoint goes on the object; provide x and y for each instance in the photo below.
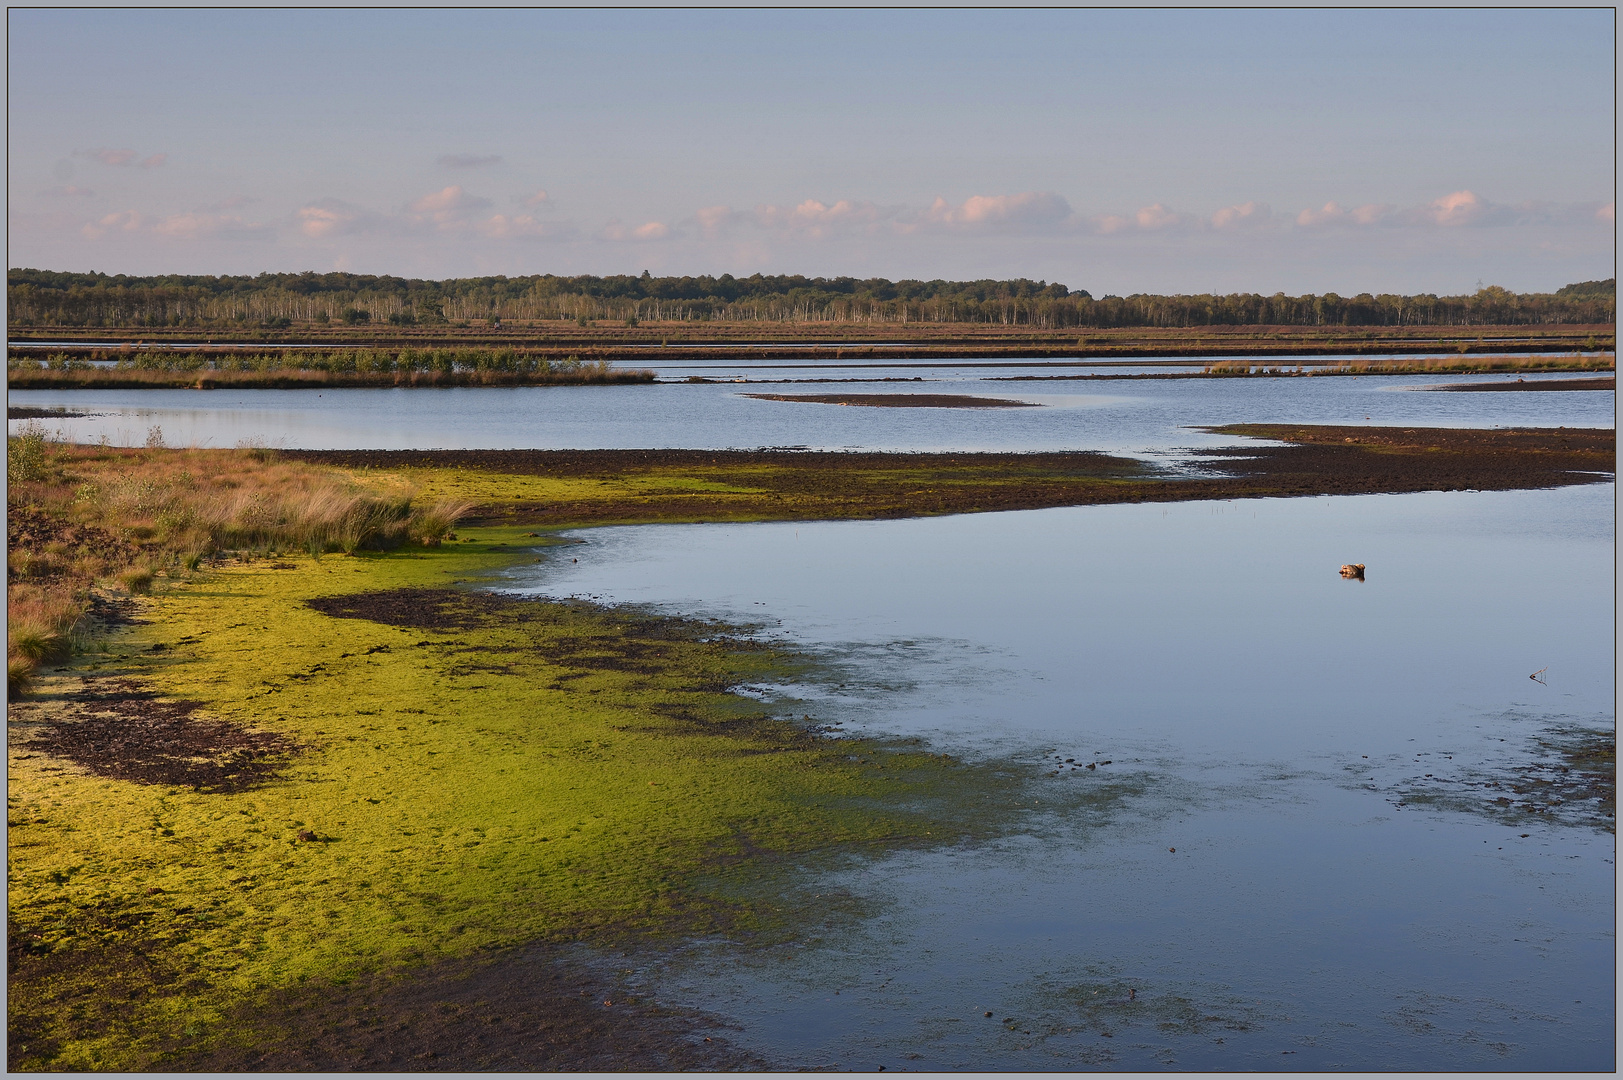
(121, 729)
(29, 412)
(1608, 382)
(28, 528)
(808, 485)
(903, 401)
(529, 1009)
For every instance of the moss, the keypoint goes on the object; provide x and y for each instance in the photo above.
(523, 771)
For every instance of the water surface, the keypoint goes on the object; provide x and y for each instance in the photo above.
(1267, 719)
(1140, 417)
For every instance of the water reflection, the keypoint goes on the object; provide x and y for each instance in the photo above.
(1259, 862)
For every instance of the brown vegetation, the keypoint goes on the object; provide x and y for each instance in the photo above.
(82, 516)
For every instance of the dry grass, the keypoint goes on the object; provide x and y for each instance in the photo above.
(82, 516)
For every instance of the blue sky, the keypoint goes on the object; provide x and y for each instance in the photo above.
(1118, 151)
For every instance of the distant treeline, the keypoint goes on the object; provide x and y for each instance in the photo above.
(48, 298)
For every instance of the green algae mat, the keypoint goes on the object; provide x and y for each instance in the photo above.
(303, 772)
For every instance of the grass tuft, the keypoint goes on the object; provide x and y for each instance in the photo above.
(19, 676)
(137, 580)
(432, 524)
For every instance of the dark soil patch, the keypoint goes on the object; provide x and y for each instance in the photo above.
(29, 412)
(120, 729)
(903, 401)
(526, 1010)
(30, 528)
(419, 609)
(1607, 383)
(111, 611)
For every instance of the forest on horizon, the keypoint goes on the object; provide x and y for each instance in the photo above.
(278, 300)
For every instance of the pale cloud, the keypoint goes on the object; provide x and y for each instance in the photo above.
(1153, 218)
(714, 218)
(1029, 208)
(206, 226)
(123, 221)
(815, 219)
(1156, 217)
(1457, 208)
(1333, 214)
(330, 217)
(1608, 213)
(536, 198)
(521, 227)
(189, 226)
(447, 209)
(618, 232)
(70, 191)
(468, 161)
(125, 158)
(1245, 215)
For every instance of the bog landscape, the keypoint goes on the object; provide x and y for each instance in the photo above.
(697, 673)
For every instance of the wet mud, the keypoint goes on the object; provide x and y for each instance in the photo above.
(1567, 777)
(784, 484)
(530, 1009)
(903, 401)
(120, 729)
(1606, 383)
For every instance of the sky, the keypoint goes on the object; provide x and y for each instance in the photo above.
(1115, 151)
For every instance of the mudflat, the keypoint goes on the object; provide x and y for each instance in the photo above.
(903, 401)
(1608, 382)
(575, 487)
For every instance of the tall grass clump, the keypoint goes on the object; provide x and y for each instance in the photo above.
(431, 524)
(40, 625)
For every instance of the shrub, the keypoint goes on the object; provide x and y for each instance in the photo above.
(25, 454)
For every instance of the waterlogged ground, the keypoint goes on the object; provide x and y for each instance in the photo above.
(1291, 821)
(294, 774)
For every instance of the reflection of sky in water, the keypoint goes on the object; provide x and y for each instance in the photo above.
(1122, 416)
(1211, 651)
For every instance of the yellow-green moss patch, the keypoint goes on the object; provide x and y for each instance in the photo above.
(535, 771)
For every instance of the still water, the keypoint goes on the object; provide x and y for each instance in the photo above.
(1113, 415)
(1340, 896)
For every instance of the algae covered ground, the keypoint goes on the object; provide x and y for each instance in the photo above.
(393, 772)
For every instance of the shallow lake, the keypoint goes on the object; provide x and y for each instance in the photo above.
(1294, 858)
(1344, 892)
(1147, 417)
